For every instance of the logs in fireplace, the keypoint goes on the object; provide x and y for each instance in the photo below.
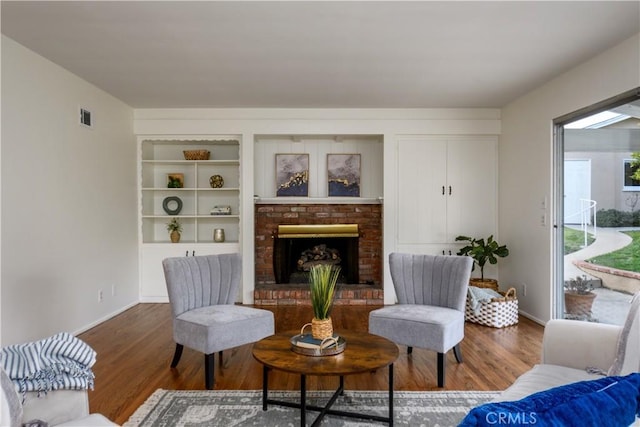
(319, 254)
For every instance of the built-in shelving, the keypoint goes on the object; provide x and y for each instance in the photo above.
(161, 158)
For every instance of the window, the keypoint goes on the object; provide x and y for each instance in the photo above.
(630, 184)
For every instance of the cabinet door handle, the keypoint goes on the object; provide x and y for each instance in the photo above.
(443, 252)
(443, 190)
(193, 253)
(449, 190)
(186, 253)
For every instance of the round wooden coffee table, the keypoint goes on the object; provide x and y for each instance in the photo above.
(363, 353)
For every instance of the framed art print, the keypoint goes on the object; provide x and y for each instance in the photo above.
(292, 175)
(343, 175)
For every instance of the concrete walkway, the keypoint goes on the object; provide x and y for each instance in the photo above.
(607, 240)
(609, 306)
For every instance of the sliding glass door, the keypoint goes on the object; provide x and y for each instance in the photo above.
(597, 199)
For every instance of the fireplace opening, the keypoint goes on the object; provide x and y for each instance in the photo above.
(298, 247)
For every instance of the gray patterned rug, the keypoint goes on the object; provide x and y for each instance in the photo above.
(228, 408)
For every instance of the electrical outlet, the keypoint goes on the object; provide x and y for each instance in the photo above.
(524, 289)
(543, 220)
(100, 295)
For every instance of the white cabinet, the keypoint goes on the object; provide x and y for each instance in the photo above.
(446, 187)
(152, 284)
(200, 203)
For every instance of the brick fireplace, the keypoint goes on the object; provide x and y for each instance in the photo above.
(367, 218)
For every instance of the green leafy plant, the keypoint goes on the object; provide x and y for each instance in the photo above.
(578, 285)
(482, 251)
(322, 284)
(174, 225)
(636, 164)
(174, 182)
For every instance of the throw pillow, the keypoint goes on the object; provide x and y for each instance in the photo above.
(608, 401)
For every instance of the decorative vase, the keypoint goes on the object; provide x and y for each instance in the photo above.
(175, 236)
(321, 328)
(578, 304)
(216, 181)
(218, 235)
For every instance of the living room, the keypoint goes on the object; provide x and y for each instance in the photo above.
(71, 237)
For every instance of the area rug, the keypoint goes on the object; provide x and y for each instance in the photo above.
(169, 408)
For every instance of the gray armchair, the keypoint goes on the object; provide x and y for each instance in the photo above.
(431, 292)
(202, 293)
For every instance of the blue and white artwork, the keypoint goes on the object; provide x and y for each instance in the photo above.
(292, 175)
(343, 174)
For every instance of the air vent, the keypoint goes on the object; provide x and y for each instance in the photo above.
(85, 117)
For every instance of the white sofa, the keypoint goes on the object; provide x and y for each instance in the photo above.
(57, 408)
(572, 350)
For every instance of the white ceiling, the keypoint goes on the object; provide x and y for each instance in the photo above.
(319, 54)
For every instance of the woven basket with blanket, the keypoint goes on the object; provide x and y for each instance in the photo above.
(491, 308)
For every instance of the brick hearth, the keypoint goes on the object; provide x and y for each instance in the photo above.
(369, 220)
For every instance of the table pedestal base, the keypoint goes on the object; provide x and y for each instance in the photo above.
(327, 408)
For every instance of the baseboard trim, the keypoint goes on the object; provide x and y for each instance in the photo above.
(533, 318)
(153, 299)
(105, 318)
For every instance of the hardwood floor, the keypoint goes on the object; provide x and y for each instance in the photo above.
(135, 349)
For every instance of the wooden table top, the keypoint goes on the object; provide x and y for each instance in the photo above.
(363, 353)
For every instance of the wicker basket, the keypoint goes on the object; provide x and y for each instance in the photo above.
(484, 283)
(196, 154)
(498, 313)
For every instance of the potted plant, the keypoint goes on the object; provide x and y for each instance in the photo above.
(174, 228)
(322, 287)
(578, 296)
(481, 251)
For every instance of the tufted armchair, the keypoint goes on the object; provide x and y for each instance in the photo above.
(431, 292)
(202, 293)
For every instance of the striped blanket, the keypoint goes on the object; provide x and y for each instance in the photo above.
(58, 362)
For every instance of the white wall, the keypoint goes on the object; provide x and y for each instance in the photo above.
(526, 166)
(68, 200)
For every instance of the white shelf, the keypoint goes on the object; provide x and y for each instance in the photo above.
(192, 162)
(167, 217)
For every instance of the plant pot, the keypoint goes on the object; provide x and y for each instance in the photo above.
(175, 236)
(484, 283)
(321, 328)
(578, 304)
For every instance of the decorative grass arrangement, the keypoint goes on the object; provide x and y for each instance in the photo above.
(322, 284)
